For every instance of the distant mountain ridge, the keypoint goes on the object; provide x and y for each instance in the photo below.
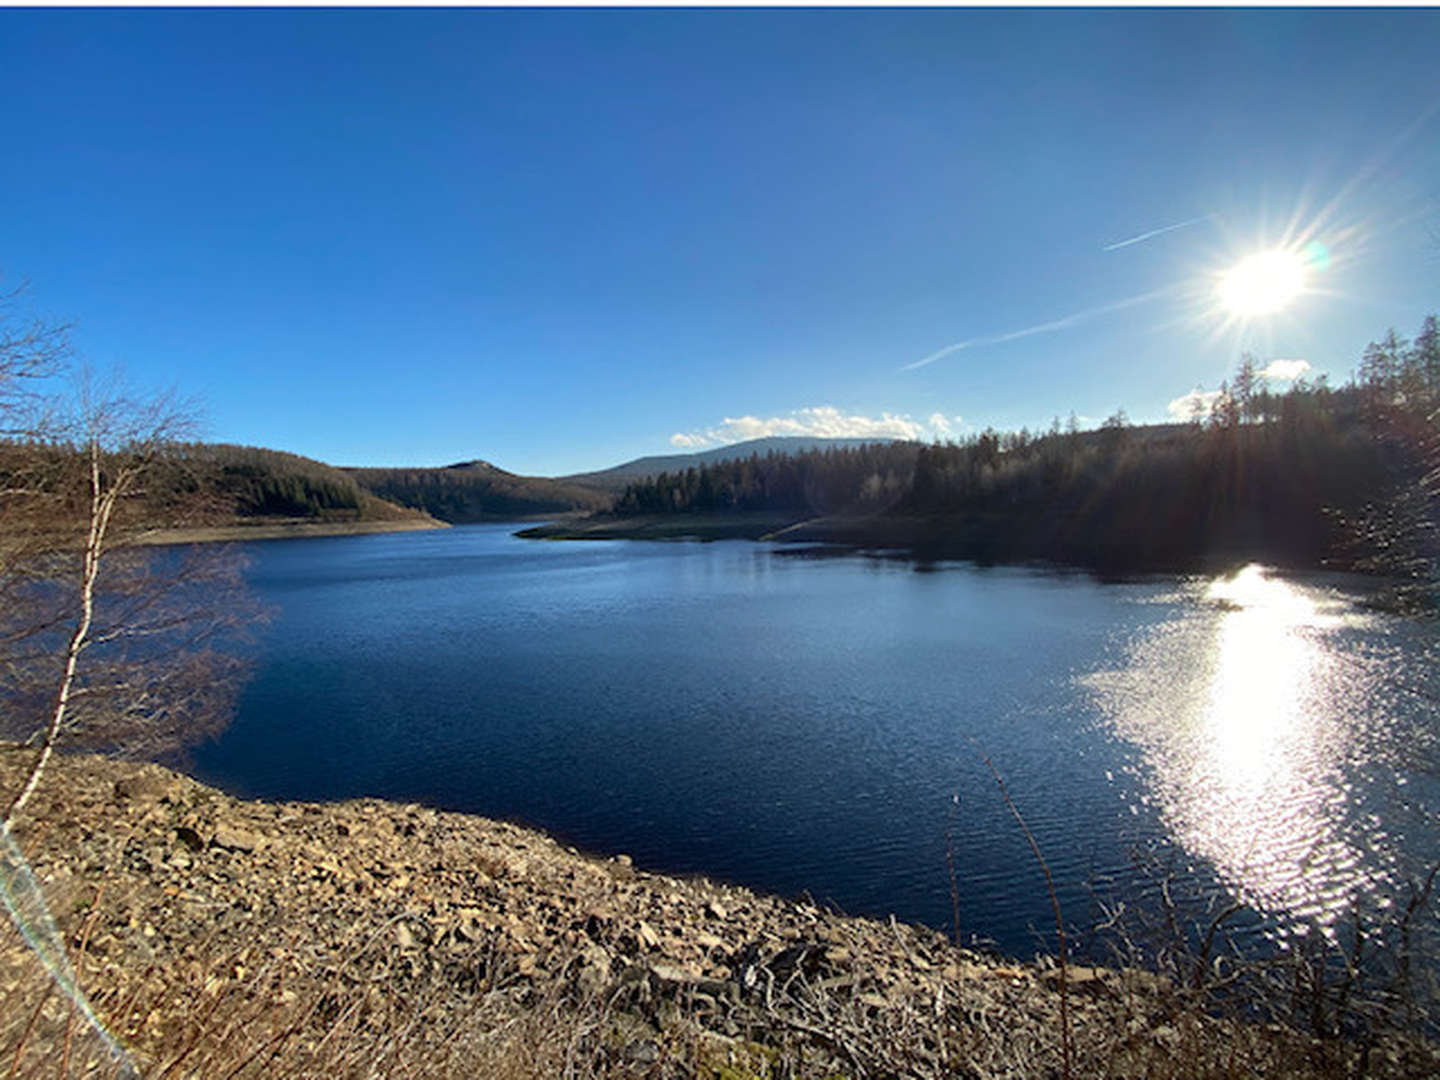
(618, 477)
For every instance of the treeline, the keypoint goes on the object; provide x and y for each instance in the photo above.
(849, 480)
(476, 491)
(1277, 487)
(1398, 532)
(1309, 477)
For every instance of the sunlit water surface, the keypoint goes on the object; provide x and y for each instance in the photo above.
(820, 724)
(1288, 739)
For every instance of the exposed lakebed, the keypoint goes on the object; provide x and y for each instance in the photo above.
(738, 710)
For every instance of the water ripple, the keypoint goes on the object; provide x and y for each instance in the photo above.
(1266, 716)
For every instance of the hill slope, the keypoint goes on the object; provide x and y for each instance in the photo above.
(213, 484)
(476, 491)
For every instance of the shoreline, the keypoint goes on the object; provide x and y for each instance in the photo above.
(214, 534)
(920, 538)
(738, 526)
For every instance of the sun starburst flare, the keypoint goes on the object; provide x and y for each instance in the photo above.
(1263, 283)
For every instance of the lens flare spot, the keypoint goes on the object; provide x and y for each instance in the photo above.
(1317, 256)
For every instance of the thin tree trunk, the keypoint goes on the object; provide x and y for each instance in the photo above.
(101, 504)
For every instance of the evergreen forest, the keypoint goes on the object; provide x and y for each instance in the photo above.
(1314, 476)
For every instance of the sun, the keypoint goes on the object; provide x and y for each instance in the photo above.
(1262, 284)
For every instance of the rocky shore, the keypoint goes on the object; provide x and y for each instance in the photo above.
(218, 936)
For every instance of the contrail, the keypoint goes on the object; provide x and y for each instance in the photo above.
(1039, 328)
(1156, 232)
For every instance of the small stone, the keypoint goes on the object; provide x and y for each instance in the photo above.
(403, 937)
(647, 935)
(715, 910)
(143, 786)
(473, 924)
(1076, 976)
(672, 973)
(624, 860)
(644, 1052)
(232, 839)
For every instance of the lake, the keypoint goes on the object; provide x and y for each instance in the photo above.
(808, 723)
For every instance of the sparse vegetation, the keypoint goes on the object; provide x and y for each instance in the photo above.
(102, 644)
(224, 938)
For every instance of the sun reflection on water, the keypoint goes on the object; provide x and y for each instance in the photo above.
(1245, 718)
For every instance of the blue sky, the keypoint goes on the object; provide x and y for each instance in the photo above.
(558, 239)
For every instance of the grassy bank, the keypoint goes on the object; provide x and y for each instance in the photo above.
(221, 937)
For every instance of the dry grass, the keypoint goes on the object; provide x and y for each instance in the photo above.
(365, 1009)
(263, 964)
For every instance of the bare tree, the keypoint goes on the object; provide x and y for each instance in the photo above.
(30, 350)
(104, 644)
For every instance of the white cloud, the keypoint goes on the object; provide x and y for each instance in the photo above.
(1285, 370)
(822, 421)
(1197, 403)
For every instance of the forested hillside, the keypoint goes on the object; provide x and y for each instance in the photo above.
(189, 485)
(1314, 476)
(617, 478)
(203, 483)
(477, 491)
(865, 478)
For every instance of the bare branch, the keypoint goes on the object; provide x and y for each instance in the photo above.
(128, 640)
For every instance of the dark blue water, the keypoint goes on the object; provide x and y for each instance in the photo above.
(808, 724)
